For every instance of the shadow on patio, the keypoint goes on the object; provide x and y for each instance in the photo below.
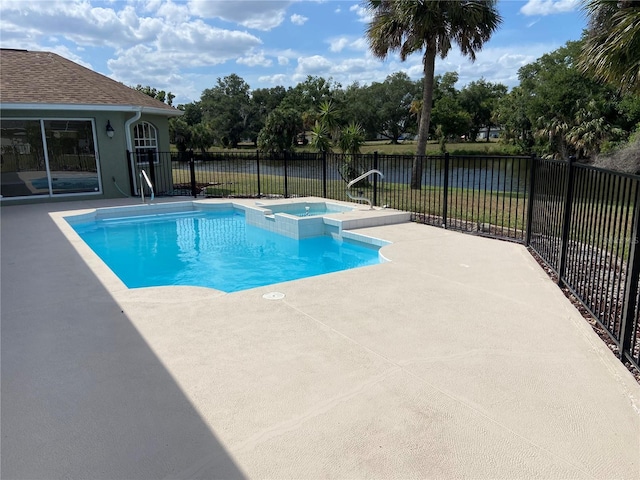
(83, 395)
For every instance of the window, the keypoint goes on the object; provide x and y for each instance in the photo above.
(48, 157)
(145, 138)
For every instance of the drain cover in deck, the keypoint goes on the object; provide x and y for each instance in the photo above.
(273, 296)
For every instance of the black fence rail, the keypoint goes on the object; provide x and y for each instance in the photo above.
(583, 222)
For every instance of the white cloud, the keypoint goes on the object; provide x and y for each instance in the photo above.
(344, 71)
(298, 19)
(214, 45)
(259, 15)
(80, 22)
(145, 66)
(277, 79)
(549, 7)
(360, 44)
(173, 13)
(255, 60)
(283, 60)
(363, 14)
(338, 44)
(314, 65)
(147, 5)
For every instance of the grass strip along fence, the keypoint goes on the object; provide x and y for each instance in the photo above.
(582, 222)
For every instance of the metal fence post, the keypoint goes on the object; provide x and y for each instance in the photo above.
(286, 180)
(324, 174)
(631, 283)
(258, 171)
(375, 179)
(130, 163)
(566, 221)
(445, 196)
(192, 170)
(532, 191)
(152, 169)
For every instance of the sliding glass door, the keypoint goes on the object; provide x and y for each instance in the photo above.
(48, 157)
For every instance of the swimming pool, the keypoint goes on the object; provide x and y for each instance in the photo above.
(213, 248)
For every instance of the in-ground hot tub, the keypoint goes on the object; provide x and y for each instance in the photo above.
(313, 217)
(307, 209)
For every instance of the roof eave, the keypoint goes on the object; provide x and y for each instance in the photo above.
(102, 108)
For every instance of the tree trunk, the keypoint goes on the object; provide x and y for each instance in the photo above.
(429, 62)
(488, 132)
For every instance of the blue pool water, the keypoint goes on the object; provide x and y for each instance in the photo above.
(213, 249)
(309, 209)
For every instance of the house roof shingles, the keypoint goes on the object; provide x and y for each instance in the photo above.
(45, 78)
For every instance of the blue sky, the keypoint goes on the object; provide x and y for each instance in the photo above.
(185, 46)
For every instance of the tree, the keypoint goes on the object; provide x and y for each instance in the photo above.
(360, 105)
(201, 137)
(557, 94)
(280, 130)
(161, 95)
(447, 114)
(409, 26)
(394, 96)
(227, 109)
(480, 100)
(320, 139)
(180, 133)
(511, 114)
(591, 131)
(263, 102)
(611, 51)
(329, 118)
(351, 140)
(307, 96)
(450, 120)
(192, 113)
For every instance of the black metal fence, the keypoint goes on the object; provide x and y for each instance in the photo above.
(583, 222)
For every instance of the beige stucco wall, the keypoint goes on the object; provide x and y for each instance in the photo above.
(112, 157)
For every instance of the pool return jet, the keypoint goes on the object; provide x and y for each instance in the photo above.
(356, 180)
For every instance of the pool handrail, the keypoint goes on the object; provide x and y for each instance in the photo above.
(146, 178)
(356, 180)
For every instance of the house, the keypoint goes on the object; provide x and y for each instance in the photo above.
(66, 130)
(494, 132)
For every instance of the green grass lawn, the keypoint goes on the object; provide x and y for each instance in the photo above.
(467, 205)
(403, 148)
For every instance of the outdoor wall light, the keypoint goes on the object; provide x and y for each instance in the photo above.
(110, 130)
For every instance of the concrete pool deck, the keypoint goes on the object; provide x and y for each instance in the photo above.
(459, 358)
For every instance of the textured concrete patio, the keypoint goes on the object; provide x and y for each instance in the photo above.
(459, 358)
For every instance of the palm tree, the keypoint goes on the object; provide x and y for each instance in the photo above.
(328, 116)
(320, 139)
(409, 26)
(611, 51)
(351, 140)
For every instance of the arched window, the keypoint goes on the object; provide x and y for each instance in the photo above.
(145, 138)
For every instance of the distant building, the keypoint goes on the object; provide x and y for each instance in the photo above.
(493, 133)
